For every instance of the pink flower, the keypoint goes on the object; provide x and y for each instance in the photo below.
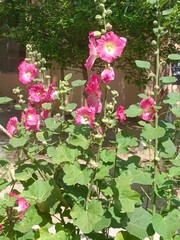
(85, 115)
(120, 113)
(31, 119)
(92, 52)
(50, 93)
(27, 72)
(44, 114)
(148, 106)
(0, 228)
(94, 101)
(108, 75)
(37, 93)
(12, 125)
(110, 46)
(93, 83)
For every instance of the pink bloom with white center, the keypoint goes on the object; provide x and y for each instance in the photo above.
(93, 83)
(148, 106)
(108, 75)
(12, 125)
(27, 72)
(44, 114)
(92, 52)
(110, 46)
(94, 101)
(31, 119)
(120, 113)
(22, 204)
(37, 93)
(85, 115)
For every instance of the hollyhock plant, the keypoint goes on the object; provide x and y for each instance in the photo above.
(120, 113)
(92, 52)
(27, 72)
(108, 75)
(12, 126)
(148, 106)
(22, 203)
(31, 119)
(93, 83)
(94, 100)
(37, 93)
(110, 46)
(85, 115)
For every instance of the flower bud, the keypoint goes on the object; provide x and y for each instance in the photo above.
(155, 22)
(102, 1)
(153, 42)
(105, 120)
(98, 17)
(47, 77)
(103, 31)
(43, 69)
(151, 75)
(157, 159)
(108, 12)
(156, 87)
(152, 93)
(96, 34)
(101, 6)
(108, 27)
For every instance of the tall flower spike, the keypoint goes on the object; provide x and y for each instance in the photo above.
(110, 46)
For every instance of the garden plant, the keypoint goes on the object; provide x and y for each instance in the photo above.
(70, 180)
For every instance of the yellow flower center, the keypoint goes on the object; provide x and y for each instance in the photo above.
(110, 47)
(86, 119)
(28, 74)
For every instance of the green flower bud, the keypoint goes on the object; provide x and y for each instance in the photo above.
(108, 12)
(103, 31)
(108, 27)
(156, 87)
(155, 22)
(101, 6)
(105, 120)
(98, 17)
(102, 1)
(43, 69)
(153, 42)
(47, 77)
(97, 34)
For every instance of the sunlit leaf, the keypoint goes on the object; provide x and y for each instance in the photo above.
(143, 64)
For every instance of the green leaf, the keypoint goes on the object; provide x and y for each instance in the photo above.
(152, 1)
(151, 133)
(174, 171)
(4, 100)
(176, 111)
(143, 64)
(108, 156)
(18, 142)
(167, 226)
(175, 57)
(168, 80)
(65, 154)
(169, 149)
(68, 77)
(23, 176)
(140, 223)
(74, 174)
(40, 137)
(104, 223)
(3, 183)
(123, 235)
(123, 142)
(45, 235)
(78, 83)
(167, 11)
(142, 95)
(4, 238)
(47, 106)
(51, 124)
(176, 161)
(31, 218)
(79, 140)
(133, 111)
(139, 176)
(86, 219)
(70, 107)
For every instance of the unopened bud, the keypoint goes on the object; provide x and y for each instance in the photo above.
(102, 1)
(101, 6)
(153, 42)
(155, 22)
(105, 120)
(108, 12)
(96, 34)
(157, 159)
(156, 87)
(98, 17)
(103, 31)
(43, 69)
(47, 77)
(108, 27)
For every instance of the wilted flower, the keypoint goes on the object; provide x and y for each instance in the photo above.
(92, 52)
(12, 125)
(110, 46)
(93, 83)
(27, 72)
(94, 100)
(85, 115)
(31, 119)
(148, 106)
(108, 75)
(120, 113)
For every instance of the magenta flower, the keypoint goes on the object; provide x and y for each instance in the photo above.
(37, 93)
(108, 75)
(92, 52)
(0, 228)
(44, 114)
(12, 125)
(31, 119)
(148, 106)
(120, 113)
(93, 83)
(94, 101)
(85, 115)
(27, 72)
(50, 93)
(110, 46)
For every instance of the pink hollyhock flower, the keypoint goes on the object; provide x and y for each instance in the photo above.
(37, 93)
(31, 119)
(120, 113)
(12, 125)
(44, 114)
(94, 101)
(85, 115)
(92, 52)
(108, 75)
(27, 72)
(0, 228)
(21, 204)
(148, 106)
(93, 83)
(50, 93)
(110, 46)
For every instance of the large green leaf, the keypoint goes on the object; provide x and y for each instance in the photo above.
(86, 219)
(74, 174)
(51, 124)
(167, 226)
(124, 141)
(70, 107)
(108, 156)
(168, 80)
(140, 223)
(79, 140)
(123, 235)
(174, 57)
(139, 176)
(176, 161)
(45, 235)
(176, 111)
(65, 154)
(18, 142)
(133, 111)
(143, 64)
(169, 149)
(4, 100)
(151, 133)
(31, 218)
(78, 83)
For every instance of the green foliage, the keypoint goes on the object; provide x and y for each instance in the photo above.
(4, 100)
